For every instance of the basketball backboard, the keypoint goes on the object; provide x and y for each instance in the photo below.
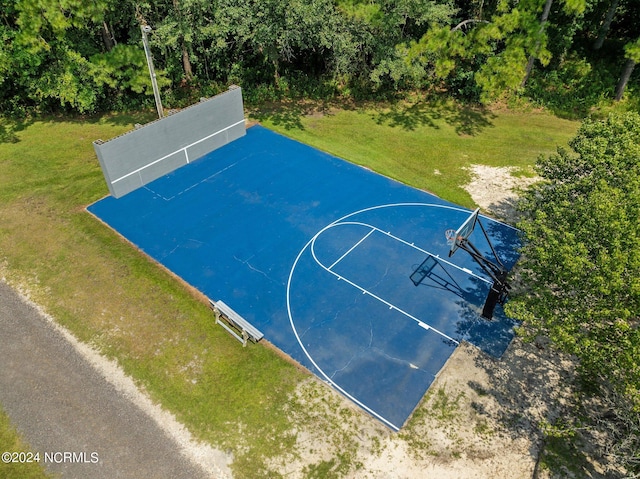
(463, 232)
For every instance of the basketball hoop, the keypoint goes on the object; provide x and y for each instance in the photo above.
(451, 237)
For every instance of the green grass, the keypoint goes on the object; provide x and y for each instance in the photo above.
(445, 407)
(332, 469)
(160, 331)
(10, 441)
(429, 145)
(563, 454)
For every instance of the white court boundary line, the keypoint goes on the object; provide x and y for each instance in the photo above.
(189, 188)
(397, 238)
(421, 323)
(347, 253)
(328, 379)
(184, 148)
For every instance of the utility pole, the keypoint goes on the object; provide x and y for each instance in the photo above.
(156, 93)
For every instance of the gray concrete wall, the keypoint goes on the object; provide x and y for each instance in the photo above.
(140, 156)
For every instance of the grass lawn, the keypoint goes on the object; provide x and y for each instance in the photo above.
(161, 332)
(10, 441)
(429, 145)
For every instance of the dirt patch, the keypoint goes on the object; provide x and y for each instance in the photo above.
(480, 419)
(495, 189)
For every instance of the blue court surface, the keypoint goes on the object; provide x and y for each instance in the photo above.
(319, 254)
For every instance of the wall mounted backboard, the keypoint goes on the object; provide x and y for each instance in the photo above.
(142, 155)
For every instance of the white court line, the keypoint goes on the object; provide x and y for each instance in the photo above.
(397, 238)
(352, 248)
(328, 379)
(146, 187)
(320, 370)
(184, 148)
(422, 324)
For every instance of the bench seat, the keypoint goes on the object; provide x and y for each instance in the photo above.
(235, 324)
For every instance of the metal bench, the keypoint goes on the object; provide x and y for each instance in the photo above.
(235, 324)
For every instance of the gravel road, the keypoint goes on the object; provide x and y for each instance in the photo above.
(66, 409)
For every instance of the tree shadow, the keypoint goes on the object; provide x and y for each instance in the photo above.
(10, 127)
(141, 117)
(288, 114)
(466, 120)
(506, 242)
(121, 119)
(506, 209)
(409, 118)
(427, 112)
(534, 387)
(288, 117)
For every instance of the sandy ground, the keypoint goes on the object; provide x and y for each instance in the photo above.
(495, 190)
(480, 419)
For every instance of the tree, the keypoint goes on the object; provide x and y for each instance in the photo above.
(632, 54)
(543, 21)
(395, 25)
(526, 37)
(50, 47)
(501, 46)
(76, 54)
(176, 25)
(606, 25)
(186, 62)
(579, 277)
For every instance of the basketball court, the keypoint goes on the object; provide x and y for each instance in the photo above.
(344, 270)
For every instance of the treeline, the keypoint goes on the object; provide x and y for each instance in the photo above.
(87, 55)
(579, 286)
